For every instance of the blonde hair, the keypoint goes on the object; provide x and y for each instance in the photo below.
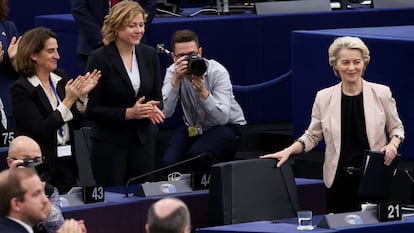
(347, 42)
(119, 17)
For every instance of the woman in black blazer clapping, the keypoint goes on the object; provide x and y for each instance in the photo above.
(47, 105)
(124, 108)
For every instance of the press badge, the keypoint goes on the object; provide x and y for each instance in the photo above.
(64, 151)
(195, 130)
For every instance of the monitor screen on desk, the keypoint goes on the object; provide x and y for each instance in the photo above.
(295, 6)
(392, 3)
(168, 6)
(175, 7)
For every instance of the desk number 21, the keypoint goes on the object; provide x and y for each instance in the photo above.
(394, 211)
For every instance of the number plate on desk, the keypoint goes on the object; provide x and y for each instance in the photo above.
(200, 180)
(6, 138)
(93, 194)
(390, 211)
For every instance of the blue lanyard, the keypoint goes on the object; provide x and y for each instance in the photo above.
(61, 131)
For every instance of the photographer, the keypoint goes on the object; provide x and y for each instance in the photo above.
(212, 116)
(24, 151)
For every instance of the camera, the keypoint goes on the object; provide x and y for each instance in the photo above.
(196, 65)
(27, 162)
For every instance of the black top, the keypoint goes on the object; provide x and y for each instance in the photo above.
(354, 135)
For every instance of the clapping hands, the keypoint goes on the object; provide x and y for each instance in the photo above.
(72, 226)
(142, 110)
(80, 87)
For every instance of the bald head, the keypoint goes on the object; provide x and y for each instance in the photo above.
(165, 207)
(168, 215)
(23, 147)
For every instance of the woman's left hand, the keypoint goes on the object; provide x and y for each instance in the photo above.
(91, 80)
(156, 116)
(390, 151)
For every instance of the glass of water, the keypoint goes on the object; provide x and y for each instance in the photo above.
(305, 220)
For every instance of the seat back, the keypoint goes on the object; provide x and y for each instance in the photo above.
(82, 140)
(251, 190)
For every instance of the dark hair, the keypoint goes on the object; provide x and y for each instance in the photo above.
(32, 42)
(184, 35)
(172, 223)
(11, 186)
(4, 9)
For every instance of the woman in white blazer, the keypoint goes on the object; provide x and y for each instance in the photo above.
(351, 116)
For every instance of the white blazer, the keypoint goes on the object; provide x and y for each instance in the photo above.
(381, 119)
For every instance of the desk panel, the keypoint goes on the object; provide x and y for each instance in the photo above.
(120, 214)
(404, 226)
(392, 50)
(254, 48)
(259, 227)
(117, 214)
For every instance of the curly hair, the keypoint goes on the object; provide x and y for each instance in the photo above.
(118, 18)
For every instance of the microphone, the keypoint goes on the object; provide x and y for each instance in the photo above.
(202, 155)
(162, 49)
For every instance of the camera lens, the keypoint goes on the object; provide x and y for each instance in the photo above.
(196, 65)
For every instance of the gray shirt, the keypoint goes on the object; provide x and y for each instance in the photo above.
(220, 107)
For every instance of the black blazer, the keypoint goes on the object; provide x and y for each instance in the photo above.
(8, 225)
(35, 118)
(114, 93)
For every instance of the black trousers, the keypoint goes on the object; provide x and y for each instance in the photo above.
(113, 164)
(343, 196)
(219, 144)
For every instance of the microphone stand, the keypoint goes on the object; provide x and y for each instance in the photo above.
(160, 169)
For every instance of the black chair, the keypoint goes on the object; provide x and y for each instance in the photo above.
(251, 190)
(82, 146)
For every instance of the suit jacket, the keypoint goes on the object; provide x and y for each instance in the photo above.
(381, 118)
(36, 118)
(114, 93)
(10, 226)
(89, 16)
